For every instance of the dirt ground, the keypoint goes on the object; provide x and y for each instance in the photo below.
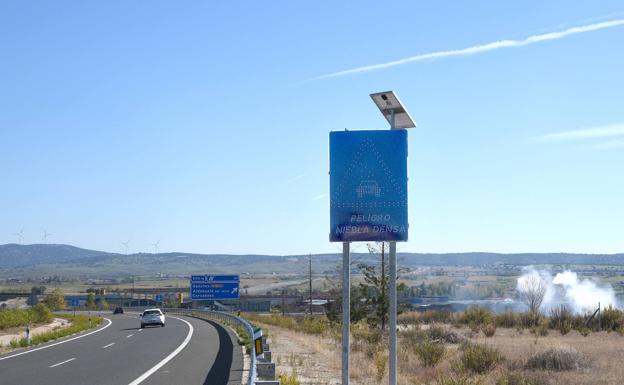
(317, 361)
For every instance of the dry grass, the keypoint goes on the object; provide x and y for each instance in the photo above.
(317, 360)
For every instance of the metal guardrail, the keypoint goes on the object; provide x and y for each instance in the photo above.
(224, 318)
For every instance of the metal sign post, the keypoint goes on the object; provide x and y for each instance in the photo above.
(368, 202)
(346, 310)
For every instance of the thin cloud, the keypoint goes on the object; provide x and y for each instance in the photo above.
(603, 146)
(320, 196)
(293, 179)
(479, 48)
(610, 131)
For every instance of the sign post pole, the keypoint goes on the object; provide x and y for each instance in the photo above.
(392, 354)
(392, 370)
(346, 310)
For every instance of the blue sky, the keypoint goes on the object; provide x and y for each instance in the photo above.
(202, 125)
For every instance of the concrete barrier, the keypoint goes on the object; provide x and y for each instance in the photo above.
(265, 370)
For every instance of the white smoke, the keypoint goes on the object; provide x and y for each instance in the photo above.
(566, 288)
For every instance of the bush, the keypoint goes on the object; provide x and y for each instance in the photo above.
(562, 319)
(292, 379)
(442, 334)
(10, 318)
(520, 379)
(540, 330)
(507, 319)
(479, 358)
(611, 319)
(243, 338)
(475, 315)
(530, 319)
(78, 324)
(488, 329)
(429, 352)
(457, 379)
(381, 363)
(309, 325)
(557, 359)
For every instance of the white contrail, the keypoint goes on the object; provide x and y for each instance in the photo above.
(320, 196)
(480, 48)
(610, 131)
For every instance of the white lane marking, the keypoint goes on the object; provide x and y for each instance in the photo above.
(61, 363)
(129, 335)
(58, 343)
(141, 329)
(109, 345)
(159, 365)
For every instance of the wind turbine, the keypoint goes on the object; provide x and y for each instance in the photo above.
(126, 243)
(20, 236)
(46, 235)
(155, 245)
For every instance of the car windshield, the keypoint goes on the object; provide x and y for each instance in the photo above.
(152, 312)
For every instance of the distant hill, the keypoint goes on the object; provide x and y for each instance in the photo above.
(49, 259)
(14, 255)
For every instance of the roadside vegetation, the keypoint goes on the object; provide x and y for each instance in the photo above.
(10, 318)
(78, 323)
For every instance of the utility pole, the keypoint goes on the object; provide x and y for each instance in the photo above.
(310, 270)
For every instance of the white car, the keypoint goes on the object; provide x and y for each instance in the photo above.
(152, 317)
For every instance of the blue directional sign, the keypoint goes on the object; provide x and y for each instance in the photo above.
(158, 297)
(206, 287)
(75, 302)
(368, 185)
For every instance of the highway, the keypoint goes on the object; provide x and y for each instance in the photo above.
(186, 351)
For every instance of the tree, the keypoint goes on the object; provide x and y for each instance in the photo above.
(91, 301)
(532, 290)
(102, 303)
(374, 289)
(55, 300)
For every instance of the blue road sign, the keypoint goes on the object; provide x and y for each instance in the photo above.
(158, 298)
(206, 287)
(75, 302)
(368, 185)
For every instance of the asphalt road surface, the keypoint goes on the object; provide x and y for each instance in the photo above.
(187, 351)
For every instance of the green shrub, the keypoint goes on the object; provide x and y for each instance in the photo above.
(611, 319)
(10, 318)
(243, 338)
(479, 358)
(476, 315)
(429, 352)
